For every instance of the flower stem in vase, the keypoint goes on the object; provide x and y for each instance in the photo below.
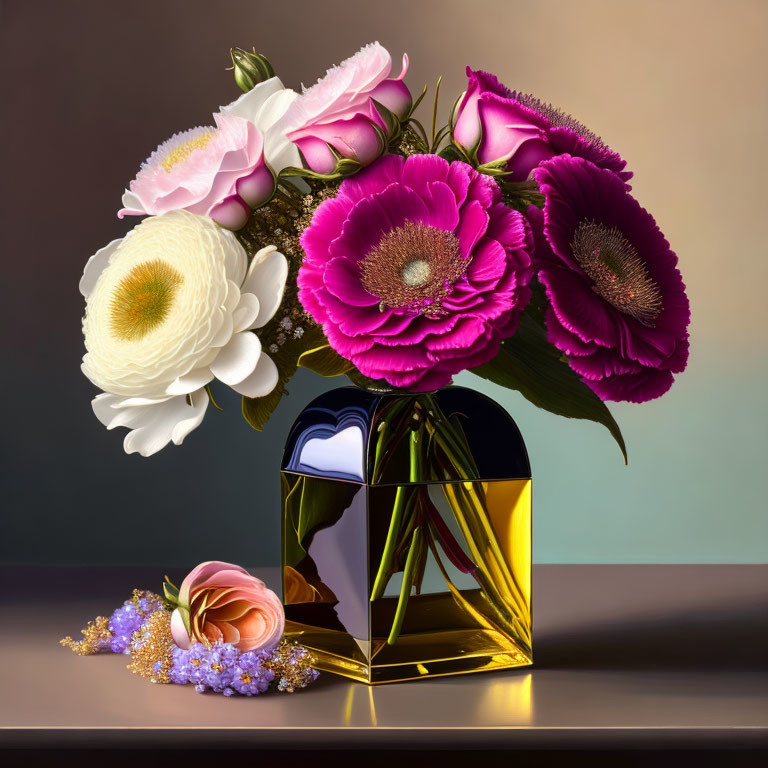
(468, 504)
(411, 564)
(395, 523)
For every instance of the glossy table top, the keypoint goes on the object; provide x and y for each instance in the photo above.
(630, 655)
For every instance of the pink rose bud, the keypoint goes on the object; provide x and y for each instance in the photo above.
(518, 132)
(354, 138)
(231, 213)
(224, 602)
(393, 93)
(490, 122)
(338, 114)
(256, 188)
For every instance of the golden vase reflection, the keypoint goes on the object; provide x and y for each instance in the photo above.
(502, 701)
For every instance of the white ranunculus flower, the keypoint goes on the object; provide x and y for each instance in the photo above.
(170, 307)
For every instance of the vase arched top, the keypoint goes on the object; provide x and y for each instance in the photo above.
(375, 438)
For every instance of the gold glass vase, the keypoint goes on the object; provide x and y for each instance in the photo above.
(407, 535)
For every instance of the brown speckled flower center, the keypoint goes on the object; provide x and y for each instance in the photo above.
(143, 299)
(413, 266)
(617, 271)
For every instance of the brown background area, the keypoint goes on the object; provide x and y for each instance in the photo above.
(88, 89)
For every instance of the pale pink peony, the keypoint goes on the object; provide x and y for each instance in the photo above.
(217, 172)
(338, 112)
(226, 603)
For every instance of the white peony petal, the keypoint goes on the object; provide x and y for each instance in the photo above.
(266, 279)
(153, 426)
(262, 381)
(96, 265)
(199, 402)
(265, 106)
(236, 259)
(249, 104)
(246, 312)
(191, 381)
(280, 153)
(104, 406)
(233, 296)
(238, 359)
(132, 205)
(129, 402)
(224, 333)
(272, 110)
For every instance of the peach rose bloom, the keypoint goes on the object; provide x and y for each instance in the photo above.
(226, 603)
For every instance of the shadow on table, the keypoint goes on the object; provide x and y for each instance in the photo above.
(718, 639)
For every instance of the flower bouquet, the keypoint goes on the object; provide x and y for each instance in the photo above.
(332, 230)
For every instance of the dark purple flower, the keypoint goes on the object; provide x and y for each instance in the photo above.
(618, 307)
(500, 124)
(416, 270)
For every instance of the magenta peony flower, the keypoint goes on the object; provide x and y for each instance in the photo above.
(217, 172)
(338, 111)
(505, 125)
(618, 306)
(416, 270)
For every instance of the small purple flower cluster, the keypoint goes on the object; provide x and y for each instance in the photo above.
(129, 617)
(222, 668)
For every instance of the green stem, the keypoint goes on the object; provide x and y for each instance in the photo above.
(405, 590)
(386, 441)
(434, 112)
(382, 576)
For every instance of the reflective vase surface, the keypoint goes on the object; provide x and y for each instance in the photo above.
(407, 534)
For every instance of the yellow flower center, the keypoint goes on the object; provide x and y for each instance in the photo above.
(143, 299)
(183, 151)
(245, 677)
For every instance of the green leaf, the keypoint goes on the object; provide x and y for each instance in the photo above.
(415, 104)
(521, 194)
(171, 592)
(345, 166)
(494, 168)
(257, 410)
(324, 361)
(528, 363)
(391, 120)
(184, 613)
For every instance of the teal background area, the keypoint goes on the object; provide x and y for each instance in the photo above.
(695, 489)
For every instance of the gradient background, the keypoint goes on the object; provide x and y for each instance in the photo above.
(88, 89)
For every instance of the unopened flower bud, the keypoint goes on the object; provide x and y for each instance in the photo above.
(250, 69)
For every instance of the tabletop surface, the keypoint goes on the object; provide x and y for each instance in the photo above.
(626, 654)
